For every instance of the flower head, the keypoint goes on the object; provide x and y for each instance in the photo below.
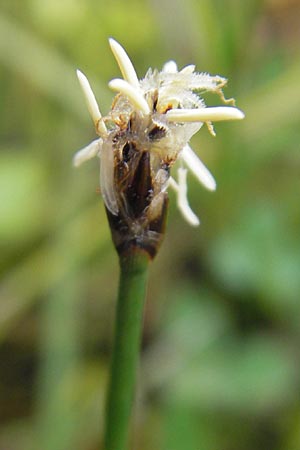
(146, 131)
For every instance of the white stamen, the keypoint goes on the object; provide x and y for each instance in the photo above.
(170, 67)
(88, 152)
(125, 65)
(182, 201)
(131, 92)
(92, 104)
(197, 167)
(213, 114)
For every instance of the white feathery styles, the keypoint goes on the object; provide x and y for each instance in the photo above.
(125, 65)
(91, 103)
(133, 94)
(157, 114)
(188, 69)
(213, 114)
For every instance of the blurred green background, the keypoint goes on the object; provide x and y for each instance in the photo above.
(220, 365)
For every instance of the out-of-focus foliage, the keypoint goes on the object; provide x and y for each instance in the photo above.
(220, 364)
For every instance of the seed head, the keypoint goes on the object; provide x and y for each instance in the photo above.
(146, 131)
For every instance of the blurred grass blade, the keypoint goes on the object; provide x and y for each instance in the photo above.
(20, 288)
(57, 414)
(272, 107)
(34, 60)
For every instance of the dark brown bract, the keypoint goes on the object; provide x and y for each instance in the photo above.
(140, 181)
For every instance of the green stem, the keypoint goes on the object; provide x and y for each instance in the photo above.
(132, 287)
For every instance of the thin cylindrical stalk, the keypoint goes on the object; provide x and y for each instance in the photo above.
(132, 287)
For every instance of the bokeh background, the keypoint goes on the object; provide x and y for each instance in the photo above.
(220, 363)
